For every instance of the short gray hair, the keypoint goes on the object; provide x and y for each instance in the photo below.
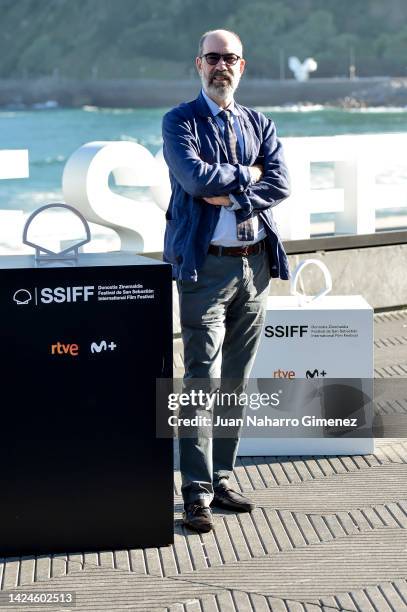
(206, 34)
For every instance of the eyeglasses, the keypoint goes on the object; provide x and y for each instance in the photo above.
(213, 58)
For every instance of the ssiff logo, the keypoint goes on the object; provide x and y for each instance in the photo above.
(56, 295)
(22, 296)
(285, 331)
(66, 294)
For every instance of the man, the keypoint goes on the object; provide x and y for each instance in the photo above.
(227, 172)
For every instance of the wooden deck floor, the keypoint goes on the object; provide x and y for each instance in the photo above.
(328, 534)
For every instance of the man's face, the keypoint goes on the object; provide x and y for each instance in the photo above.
(221, 80)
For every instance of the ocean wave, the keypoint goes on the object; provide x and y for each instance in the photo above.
(49, 161)
(151, 142)
(129, 138)
(117, 111)
(11, 114)
(293, 108)
(392, 175)
(47, 105)
(312, 108)
(90, 109)
(107, 111)
(378, 109)
(33, 199)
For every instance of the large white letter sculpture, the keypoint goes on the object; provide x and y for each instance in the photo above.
(162, 191)
(13, 165)
(353, 196)
(139, 224)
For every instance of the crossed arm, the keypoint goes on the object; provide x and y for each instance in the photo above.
(256, 172)
(253, 187)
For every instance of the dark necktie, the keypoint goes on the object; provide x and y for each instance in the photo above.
(244, 224)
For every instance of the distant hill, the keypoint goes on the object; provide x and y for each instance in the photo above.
(158, 38)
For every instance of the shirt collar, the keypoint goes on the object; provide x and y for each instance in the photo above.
(215, 109)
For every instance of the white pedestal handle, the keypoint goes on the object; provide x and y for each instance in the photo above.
(305, 299)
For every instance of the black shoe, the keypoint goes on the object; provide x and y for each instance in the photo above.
(198, 517)
(228, 499)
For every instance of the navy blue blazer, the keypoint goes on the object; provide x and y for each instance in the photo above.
(196, 155)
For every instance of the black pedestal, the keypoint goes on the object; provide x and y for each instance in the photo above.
(82, 469)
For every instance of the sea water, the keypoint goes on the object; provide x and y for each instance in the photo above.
(52, 135)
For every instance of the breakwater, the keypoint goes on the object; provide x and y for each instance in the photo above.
(142, 93)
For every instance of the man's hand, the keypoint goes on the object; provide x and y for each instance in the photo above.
(218, 200)
(256, 172)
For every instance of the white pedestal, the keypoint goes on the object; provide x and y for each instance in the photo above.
(331, 338)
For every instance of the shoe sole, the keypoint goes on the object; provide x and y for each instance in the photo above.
(205, 529)
(232, 508)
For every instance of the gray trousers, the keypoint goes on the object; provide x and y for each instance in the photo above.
(222, 317)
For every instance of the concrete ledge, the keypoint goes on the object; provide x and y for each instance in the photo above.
(344, 242)
(378, 273)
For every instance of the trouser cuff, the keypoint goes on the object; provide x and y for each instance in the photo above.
(221, 481)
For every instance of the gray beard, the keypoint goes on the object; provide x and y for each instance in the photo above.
(221, 92)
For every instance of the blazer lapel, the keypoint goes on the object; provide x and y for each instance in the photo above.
(204, 110)
(217, 134)
(249, 137)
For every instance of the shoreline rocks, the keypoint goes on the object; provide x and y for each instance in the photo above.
(50, 92)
